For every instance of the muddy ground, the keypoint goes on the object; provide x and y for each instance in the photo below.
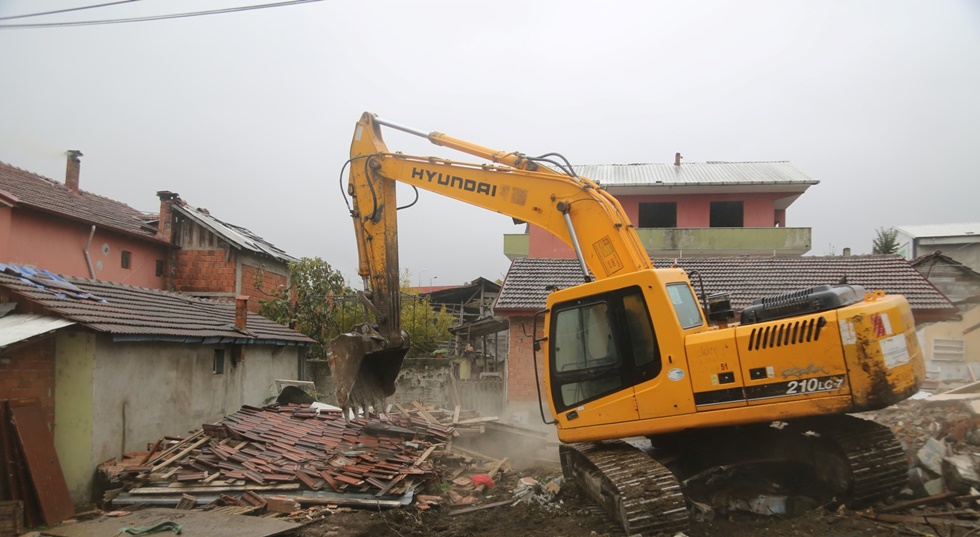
(573, 514)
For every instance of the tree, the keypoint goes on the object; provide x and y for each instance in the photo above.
(886, 242)
(316, 304)
(319, 304)
(427, 327)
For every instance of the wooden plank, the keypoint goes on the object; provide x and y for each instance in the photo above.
(901, 506)
(479, 508)
(37, 444)
(180, 455)
(206, 489)
(175, 447)
(493, 471)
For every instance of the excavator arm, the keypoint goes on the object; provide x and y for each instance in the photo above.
(543, 191)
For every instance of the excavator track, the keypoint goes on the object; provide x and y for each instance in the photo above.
(636, 490)
(875, 465)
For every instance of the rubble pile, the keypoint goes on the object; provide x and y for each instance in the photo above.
(300, 461)
(941, 440)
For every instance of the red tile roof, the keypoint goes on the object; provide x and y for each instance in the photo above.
(745, 279)
(31, 191)
(142, 314)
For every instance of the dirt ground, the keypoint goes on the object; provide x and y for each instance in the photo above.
(573, 514)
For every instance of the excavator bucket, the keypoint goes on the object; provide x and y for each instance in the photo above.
(364, 369)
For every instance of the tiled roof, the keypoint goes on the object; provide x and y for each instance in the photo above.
(235, 235)
(29, 190)
(744, 278)
(141, 314)
(695, 173)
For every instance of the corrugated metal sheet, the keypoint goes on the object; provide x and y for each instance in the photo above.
(18, 327)
(695, 173)
(236, 235)
(941, 230)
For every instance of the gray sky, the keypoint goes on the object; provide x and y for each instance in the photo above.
(251, 114)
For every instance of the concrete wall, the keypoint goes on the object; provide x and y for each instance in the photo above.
(423, 379)
(118, 397)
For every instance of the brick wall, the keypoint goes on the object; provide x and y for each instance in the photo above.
(28, 373)
(520, 369)
(204, 271)
(259, 284)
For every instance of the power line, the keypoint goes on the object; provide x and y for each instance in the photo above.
(66, 10)
(154, 17)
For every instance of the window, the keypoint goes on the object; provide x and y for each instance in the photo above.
(159, 267)
(685, 305)
(218, 366)
(126, 258)
(726, 214)
(601, 344)
(657, 214)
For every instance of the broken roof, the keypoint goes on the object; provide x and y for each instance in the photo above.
(234, 235)
(139, 314)
(21, 188)
(744, 278)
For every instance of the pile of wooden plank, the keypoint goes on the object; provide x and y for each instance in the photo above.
(286, 458)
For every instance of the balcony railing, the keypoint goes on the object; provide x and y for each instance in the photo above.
(702, 242)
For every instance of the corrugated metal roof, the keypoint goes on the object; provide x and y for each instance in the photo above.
(941, 230)
(235, 235)
(744, 278)
(18, 327)
(150, 314)
(695, 173)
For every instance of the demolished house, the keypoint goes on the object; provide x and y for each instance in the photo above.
(111, 365)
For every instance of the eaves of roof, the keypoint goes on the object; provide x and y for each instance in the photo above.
(139, 314)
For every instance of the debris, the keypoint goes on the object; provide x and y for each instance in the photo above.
(480, 508)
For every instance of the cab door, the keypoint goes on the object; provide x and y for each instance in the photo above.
(591, 366)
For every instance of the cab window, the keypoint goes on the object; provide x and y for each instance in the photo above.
(599, 345)
(685, 305)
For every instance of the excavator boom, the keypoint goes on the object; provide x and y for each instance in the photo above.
(542, 191)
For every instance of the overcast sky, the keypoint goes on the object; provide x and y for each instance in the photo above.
(250, 114)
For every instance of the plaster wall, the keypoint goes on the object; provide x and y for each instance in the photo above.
(118, 397)
(57, 245)
(73, 419)
(955, 331)
(693, 211)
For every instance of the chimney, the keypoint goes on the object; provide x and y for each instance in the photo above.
(846, 252)
(241, 313)
(166, 223)
(677, 159)
(73, 169)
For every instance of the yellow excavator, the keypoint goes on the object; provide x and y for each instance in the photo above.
(635, 351)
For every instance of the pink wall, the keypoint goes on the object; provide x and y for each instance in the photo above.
(693, 211)
(55, 244)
